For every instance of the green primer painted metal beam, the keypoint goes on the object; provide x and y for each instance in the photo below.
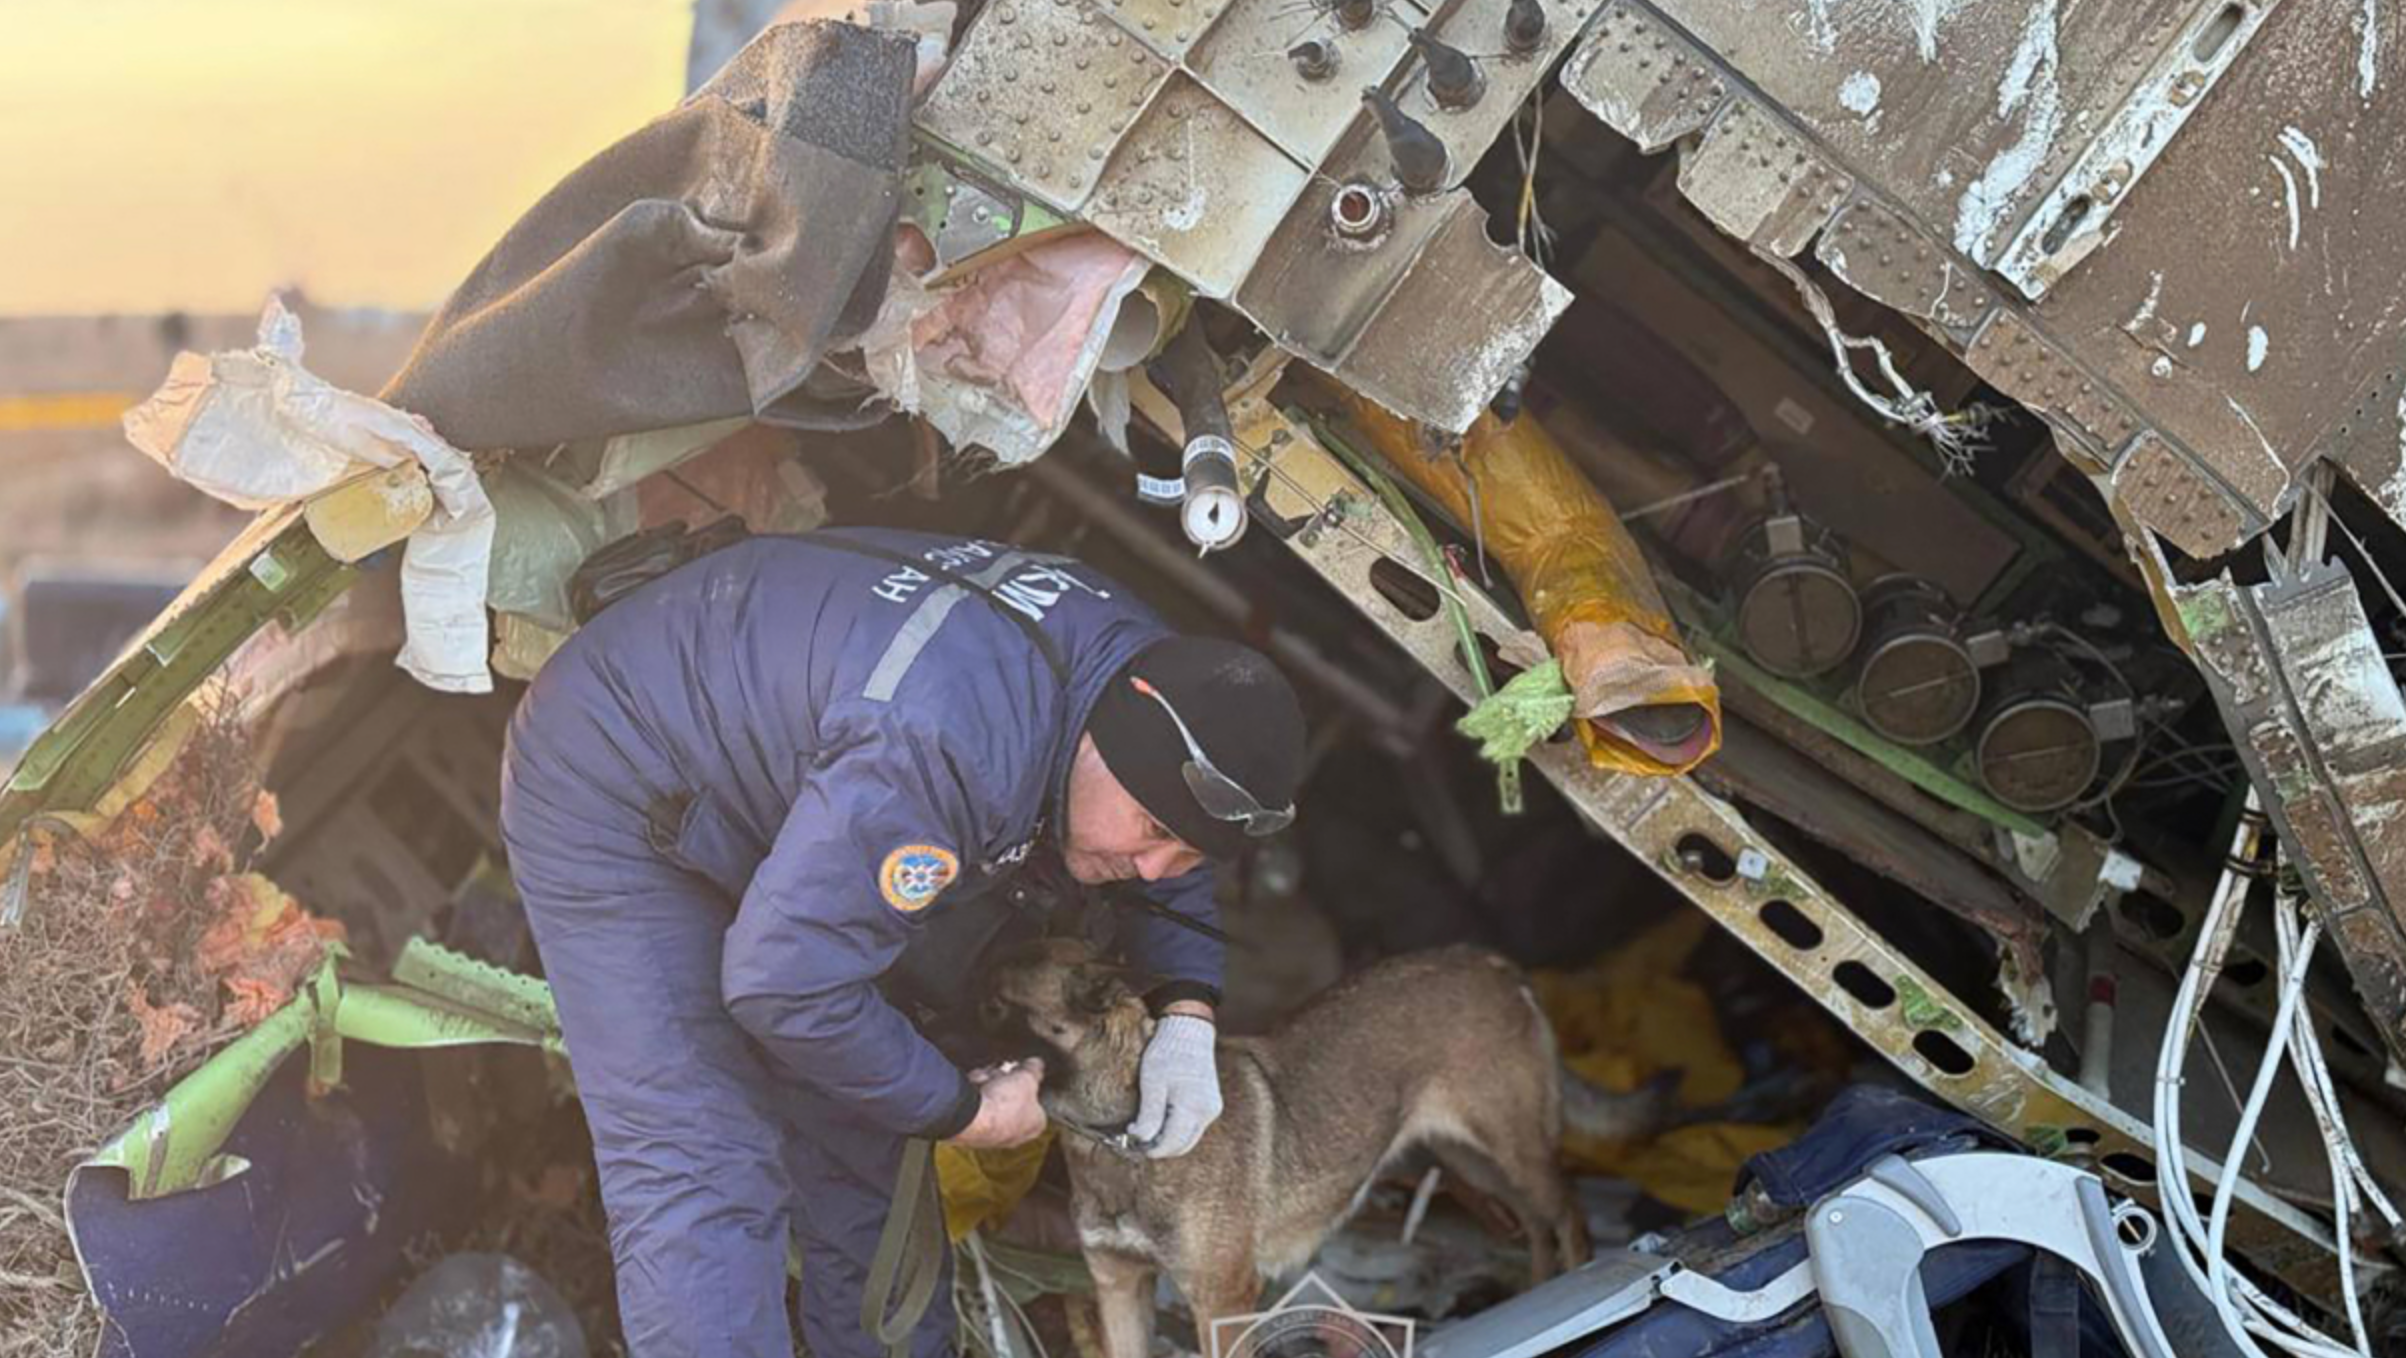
(275, 571)
(175, 1145)
(1729, 661)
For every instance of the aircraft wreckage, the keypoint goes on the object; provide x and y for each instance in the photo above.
(1949, 454)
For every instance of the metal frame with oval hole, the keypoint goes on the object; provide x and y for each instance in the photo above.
(1696, 842)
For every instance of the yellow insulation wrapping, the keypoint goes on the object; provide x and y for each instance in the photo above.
(981, 1187)
(1578, 571)
(1631, 1016)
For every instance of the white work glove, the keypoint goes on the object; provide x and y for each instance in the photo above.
(1177, 1087)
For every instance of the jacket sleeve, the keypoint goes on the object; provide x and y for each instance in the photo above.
(872, 840)
(1186, 965)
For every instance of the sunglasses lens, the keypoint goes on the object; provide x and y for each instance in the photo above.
(1218, 794)
(1222, 799)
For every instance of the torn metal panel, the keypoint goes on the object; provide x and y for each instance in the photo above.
(2168, 492)
(2033, 370)
(1314, 290)
(2072, 219)
(1645, 80)
(1702, 847)
(2255, 292)
(1969, 115)
(1425, 315)
(276, 570)
(2369, 443)
(1879, 252)
(963, 214)
(2321, 728)
(1467, 314)
(1192, 132)
(1760, 181)
(2213, 171)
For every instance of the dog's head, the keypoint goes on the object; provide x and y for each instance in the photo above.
(1060, 995)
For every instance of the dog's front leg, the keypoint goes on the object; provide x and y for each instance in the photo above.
(1123, 1292)
(1218, 1290)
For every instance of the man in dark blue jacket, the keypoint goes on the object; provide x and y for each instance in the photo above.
(752, 795)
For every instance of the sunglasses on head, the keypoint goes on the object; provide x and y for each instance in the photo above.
(1220, 796)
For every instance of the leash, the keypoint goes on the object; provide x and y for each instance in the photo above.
(911, 1246)
(1130, 897)
(910, 1253)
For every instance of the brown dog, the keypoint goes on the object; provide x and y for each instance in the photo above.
(1443, 1049)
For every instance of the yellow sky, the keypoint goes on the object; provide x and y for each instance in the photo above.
(195, 153)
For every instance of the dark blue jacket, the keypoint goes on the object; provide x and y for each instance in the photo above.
(827, 736)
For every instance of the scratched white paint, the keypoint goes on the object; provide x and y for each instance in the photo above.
(2146, 311)
(2258, 345)
(2197, 334)
(2162, 367)
(1860, 94)
(1927, 16)
(2030, 88)
(2288, 195)
(2368, 48)
(2349, 699)
(2392, 495)
(1187, 213)
(2257, 430)
(2309, 158)
(1822, 32)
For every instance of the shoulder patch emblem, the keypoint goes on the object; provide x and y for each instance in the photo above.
(915, 875)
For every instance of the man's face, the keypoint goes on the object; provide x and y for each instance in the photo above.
(1110, 836)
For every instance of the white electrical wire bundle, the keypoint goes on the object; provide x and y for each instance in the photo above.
(2246, 1310)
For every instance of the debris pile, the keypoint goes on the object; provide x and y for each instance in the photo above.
(144, 946)
(547, 1215)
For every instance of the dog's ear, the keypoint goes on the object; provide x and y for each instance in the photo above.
(1096, 990)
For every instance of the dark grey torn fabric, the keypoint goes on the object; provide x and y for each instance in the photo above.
(698, 269)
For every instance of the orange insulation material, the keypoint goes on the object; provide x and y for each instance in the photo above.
(1578, 571)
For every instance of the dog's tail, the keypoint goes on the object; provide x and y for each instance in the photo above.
(1582, 1106)
(1592, 1110)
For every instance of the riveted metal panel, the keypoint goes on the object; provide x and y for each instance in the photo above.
(1194, 187)
(2167, 492)
(1645, 80)
(1880, 253)
(1760, 180)
(1043, 90)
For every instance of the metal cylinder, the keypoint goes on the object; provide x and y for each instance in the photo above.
(1797, 612)
(1211, 497)
(2037, 750)
(1917, 683)
(1213, 513)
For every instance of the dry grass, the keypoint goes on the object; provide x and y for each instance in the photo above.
(139, 955)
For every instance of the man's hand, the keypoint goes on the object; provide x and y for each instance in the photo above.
(1177, 1085)
(1007, 1112)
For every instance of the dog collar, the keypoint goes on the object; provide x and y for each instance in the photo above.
(1118, 1142)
